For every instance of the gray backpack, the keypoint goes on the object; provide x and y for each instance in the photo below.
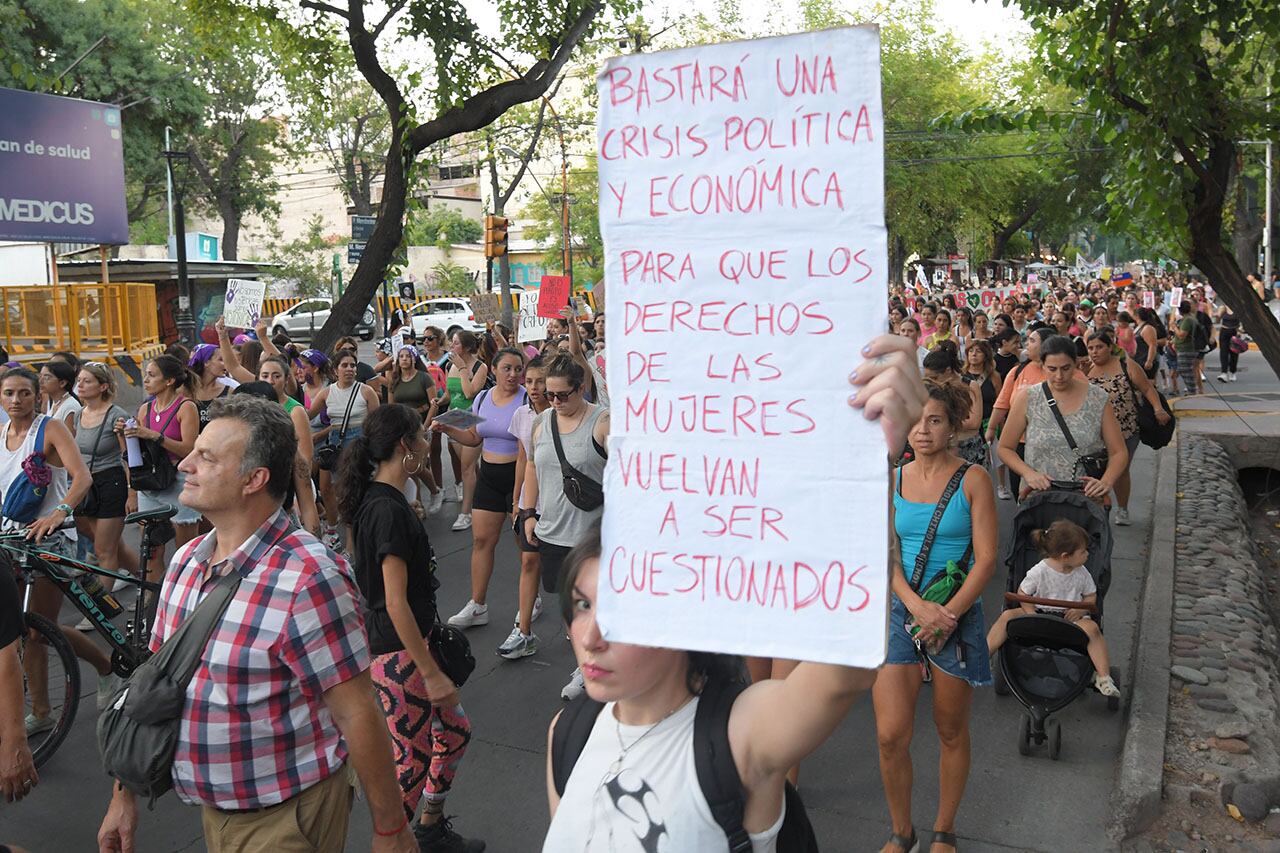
(138, 731)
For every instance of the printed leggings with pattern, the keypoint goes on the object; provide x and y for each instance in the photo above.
(429, 742)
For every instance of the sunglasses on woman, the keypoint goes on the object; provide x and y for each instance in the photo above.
(561, 396)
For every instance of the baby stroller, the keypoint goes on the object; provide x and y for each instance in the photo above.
(1045, 661)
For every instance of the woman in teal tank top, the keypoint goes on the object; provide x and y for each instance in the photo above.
(953, 636)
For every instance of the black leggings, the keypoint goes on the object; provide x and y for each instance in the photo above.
(1230, 360)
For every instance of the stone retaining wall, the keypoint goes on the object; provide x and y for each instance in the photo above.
(1223, 701)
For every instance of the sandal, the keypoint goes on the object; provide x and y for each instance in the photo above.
(908, 845)
(941, 837)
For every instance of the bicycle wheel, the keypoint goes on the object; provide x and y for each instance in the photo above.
(50, 651)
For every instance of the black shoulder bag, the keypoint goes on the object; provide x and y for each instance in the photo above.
(1092, 465)
(157, 471)
(1151, 432)
(327, 454)
(582, 491)
(90, 505)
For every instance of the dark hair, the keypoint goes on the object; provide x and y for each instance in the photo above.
(64, 373)
(384, 429)
(68, 357)
(468, 341)
(1148, 316)
(1006, 334)
(272, 443)
(536, 363)
(1124, 317)
(257, 388)
(704, 667)
(509, 351)
(942, 312)
(913, 321)
(1008, 320)
(1184, 307)
(418, 365)
(942, 358)
(1082, 349)
(24, 373)
(1103, 334)
(1052, 344)
(251, 356)
(171, 368)
(954, 398)
(178, 351)
(988, 354)
(1060, 538)
(564, 367)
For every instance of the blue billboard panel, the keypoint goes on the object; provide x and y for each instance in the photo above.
(61, 170)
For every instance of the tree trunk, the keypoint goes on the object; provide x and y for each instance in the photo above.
(230, 229)
(1204, 223)
(1246, 225)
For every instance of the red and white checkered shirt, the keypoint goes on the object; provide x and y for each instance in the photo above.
(255, 729)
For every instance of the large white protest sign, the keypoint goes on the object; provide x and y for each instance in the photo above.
(243, 302)
(742, 209)
(531, 326)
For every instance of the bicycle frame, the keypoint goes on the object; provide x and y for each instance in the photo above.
(34, 560)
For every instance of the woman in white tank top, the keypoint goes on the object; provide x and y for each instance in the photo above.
(634, 786)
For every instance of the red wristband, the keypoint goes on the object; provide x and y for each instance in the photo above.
(395, 831)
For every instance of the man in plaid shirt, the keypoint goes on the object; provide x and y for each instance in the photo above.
(282, 701)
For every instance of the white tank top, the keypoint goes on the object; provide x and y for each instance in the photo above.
(652, 803)
(336, 405)
(11, 467)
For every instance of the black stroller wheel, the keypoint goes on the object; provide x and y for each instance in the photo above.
(998, 682)
(1054, 732)
(1024, 735)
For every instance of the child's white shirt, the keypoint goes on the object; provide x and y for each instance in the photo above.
(1044, 581)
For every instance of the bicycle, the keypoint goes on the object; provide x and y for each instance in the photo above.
(129, 647)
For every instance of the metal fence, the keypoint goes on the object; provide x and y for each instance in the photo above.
(100, 319)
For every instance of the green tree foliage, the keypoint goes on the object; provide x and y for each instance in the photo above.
(133, 68)
(1174, 86)
(452, 278)
(440, 227)
(545, 215)
(305, 261)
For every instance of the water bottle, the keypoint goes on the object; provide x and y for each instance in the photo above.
(106, 602)
(133, 445)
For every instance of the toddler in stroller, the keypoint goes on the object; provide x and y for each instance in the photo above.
(1046, 658)
(1061, 576)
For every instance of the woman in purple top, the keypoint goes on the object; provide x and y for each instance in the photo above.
(495, 476)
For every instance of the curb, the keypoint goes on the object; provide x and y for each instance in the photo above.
(1136, 800)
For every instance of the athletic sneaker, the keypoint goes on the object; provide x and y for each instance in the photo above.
(1004, 494)
(440, 838)
(1122, 517)
(537, 611)
(1224, 377)
(107, 686)
(1106, 685)
(1233, 377)
(36, 725)
(518, 645)
(575, 687)
(437, 501)
(333, 538)
(462, 522)
(470, 616)
(457, 491)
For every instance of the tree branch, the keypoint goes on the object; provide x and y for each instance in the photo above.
(486, 106)
(386, 19)
(324, 7)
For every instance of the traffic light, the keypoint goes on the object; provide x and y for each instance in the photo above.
(495, 236)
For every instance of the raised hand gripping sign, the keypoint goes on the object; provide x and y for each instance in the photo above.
(742, 210)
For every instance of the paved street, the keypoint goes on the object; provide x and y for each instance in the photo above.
(500, 796)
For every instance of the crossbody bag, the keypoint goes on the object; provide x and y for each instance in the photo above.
(1092, 465)
(944, 587)
(157, 471)
(582, 491)
(327, 454)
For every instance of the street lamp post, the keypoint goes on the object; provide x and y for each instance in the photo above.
(179, 163)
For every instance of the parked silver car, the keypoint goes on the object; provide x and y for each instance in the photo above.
(300, 321)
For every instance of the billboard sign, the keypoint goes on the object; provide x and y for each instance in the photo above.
(61, 170)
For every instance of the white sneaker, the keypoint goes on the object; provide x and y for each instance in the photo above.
(470, 616)
(1233, 377)
(462, 522)
(457, 491)
(1106, 685)
(437, 501)
(1122, 517)
(537, 609)
(35, 725)
(122, 585)
(107, 686)
(575, 687)
(1224, 377)
(1004, 494)
(518, 645)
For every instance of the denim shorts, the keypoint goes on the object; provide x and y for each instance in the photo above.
(155, 500)
(964, 656)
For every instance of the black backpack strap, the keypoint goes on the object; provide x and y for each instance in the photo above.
(712, 758)
(346, 416)
(1062, 422)
(573, 728)
(931, 533)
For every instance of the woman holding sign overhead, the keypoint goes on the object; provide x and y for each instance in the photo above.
(944, 515)
(612, 769)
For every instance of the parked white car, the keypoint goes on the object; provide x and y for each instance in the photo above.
(297, 322)
(444, 311)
